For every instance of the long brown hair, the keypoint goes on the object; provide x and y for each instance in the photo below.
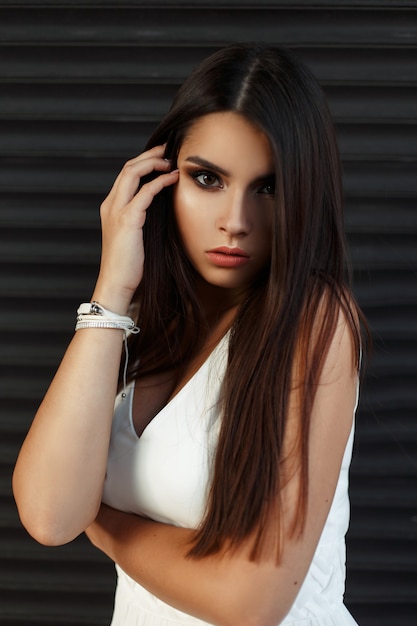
(274, 326)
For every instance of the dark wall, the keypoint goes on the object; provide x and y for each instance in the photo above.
(82, 84)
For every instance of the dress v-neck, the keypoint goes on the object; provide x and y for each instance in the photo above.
(178, 395)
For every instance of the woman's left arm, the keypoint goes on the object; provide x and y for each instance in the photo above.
(220, 589)
(228, 588)
(225, 589)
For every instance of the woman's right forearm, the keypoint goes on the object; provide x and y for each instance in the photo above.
(60, 471)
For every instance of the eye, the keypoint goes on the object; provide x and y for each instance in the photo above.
(207, 179)
(268, 188)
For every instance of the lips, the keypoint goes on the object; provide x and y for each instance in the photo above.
(228, 257)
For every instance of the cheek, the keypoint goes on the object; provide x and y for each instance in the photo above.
(188, 209)
(185, 214)
(182, 202)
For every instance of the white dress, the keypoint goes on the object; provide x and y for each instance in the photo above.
(165, 474)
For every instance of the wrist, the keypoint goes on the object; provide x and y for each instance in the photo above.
(94, 315)
(116, 300)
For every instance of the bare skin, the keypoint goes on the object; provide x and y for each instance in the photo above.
(60, 472)
(59, 475)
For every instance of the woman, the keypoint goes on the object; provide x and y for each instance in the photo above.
(223, 467)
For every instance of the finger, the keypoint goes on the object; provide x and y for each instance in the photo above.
(156, 151)
(134, 171)
(150, 190)
(127, 183)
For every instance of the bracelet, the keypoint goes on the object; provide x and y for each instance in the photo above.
(93, 315)
(88, 312)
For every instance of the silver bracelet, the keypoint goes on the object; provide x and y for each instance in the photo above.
(93, 315)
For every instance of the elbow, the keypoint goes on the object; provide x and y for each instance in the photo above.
(45, 530)
(50, 520)
(47, 538)
(43, 523)
(34, 518)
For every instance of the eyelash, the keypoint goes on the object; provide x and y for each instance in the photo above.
(270, 184)
(196, 175)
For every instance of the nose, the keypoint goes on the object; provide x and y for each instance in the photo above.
(234, 216)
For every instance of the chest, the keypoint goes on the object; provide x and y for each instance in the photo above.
(153, 393)
(165, 474)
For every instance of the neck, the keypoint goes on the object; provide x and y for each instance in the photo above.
(218, 303)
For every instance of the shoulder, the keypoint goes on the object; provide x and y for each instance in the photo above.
(336, 391)
(322, 404)
(342, 358)
(335, 332)
(327, 353)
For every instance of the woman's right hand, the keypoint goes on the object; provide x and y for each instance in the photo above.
(123, 215)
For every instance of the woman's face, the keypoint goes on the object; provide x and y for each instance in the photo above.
(224, 200)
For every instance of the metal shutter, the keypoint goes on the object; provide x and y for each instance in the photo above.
(81, 86)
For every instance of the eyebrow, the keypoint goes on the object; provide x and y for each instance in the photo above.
(216, 168)
(204, 163)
